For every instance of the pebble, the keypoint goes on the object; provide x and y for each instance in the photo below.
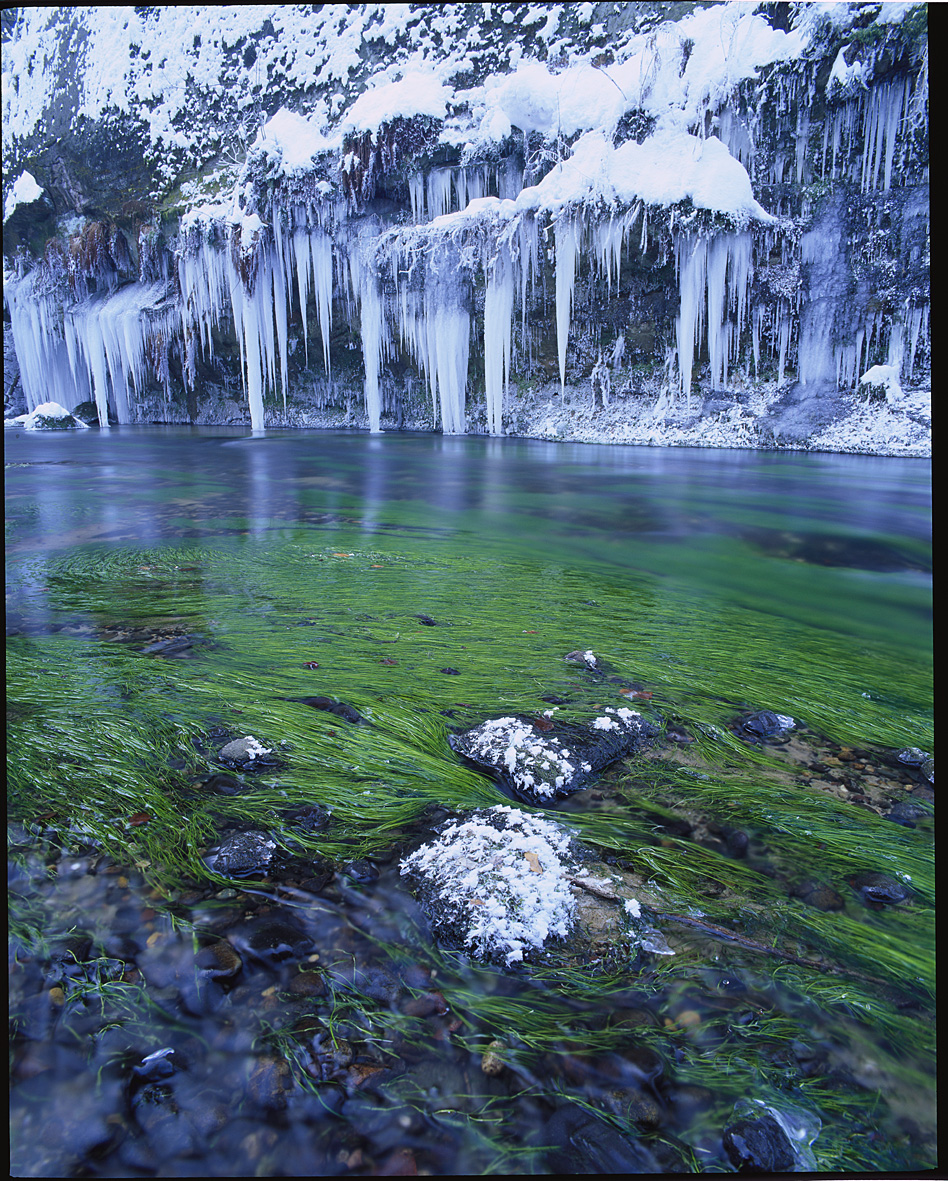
(491, 1062)
(245, 853)
(879, 889)
(759, 1145)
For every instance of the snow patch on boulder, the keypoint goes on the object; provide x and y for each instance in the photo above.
(497, 883)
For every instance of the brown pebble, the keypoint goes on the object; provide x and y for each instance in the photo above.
(491, 1062)
(308, 984)
(57, 996)
(428, 1005)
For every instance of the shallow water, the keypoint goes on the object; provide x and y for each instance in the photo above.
(167, 591)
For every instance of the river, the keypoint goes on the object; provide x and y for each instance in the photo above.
(169, 590)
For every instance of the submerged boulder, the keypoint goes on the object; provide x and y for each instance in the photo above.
(496, 883)
(539, 760)
(507, 886)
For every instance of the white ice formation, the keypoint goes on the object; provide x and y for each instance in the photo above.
(294, 237)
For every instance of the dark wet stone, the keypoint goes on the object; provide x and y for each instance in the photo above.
(552, 699)
(427, 620)
(759, 1146)
(309, 817)
(222, 785)
(329, 705)
(174, 647)
(737, 842)
(219, 960)
(584, 1144)
(912, 756)
(643, 1110)
(732, 985)
(907, 812)
(879, 889)
(270, 1080)
(452, 672)
(361, 870)
(275, 940)
(538, 767)
(154, 1068)
(678, 734)
(767, 724)
(244, 854)
(308, 983)
(819, 895)
(647, 1066)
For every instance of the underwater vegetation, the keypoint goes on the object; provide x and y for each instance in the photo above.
(226, 944)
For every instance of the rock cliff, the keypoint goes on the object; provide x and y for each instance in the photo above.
(646, 222)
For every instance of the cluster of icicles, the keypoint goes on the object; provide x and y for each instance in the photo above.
(414, 285)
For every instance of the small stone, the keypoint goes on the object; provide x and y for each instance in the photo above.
(491, 1062)
(243, 750)
(219, 960)
(759, 1145)
(878, 889)
(269, 1082)
(308, 984)
(245, 853)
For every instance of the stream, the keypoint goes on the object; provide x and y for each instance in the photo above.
(180, 1006)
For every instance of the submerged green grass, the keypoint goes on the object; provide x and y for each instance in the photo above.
(101, 734)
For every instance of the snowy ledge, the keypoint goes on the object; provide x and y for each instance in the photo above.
(902, 429)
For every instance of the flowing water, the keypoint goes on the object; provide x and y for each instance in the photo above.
(169, 590)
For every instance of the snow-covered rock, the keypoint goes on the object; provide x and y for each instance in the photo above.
(496, 883)
(539, 764)
(48, 416)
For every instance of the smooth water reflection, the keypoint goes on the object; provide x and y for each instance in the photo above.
(737, 525)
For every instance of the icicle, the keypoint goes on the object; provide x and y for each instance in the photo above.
(320, 245)
(303, 260)
(717, 257)
(691, 258)
(439, 192)
(566, 236)
(498, 310)
(366, 286)
(416, 193)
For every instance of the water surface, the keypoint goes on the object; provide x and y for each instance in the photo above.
(168, 589)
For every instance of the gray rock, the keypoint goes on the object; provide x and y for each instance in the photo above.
(243, 750)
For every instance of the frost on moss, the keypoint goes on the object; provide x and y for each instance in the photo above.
(496, 883)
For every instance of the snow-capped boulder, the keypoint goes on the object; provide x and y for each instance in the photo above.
(540, 760)
(496, 883)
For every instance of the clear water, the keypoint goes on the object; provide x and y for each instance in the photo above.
(718, 582)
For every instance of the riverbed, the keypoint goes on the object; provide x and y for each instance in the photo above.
(170, 590)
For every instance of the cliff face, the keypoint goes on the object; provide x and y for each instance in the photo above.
(472, 217)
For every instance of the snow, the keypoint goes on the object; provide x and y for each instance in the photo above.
(295, 140)
(24, 191)
(33, 420)
(536, 766)
(500, 878)
(418, 93)
(886, 377)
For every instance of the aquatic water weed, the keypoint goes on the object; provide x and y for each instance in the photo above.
(497, 882)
